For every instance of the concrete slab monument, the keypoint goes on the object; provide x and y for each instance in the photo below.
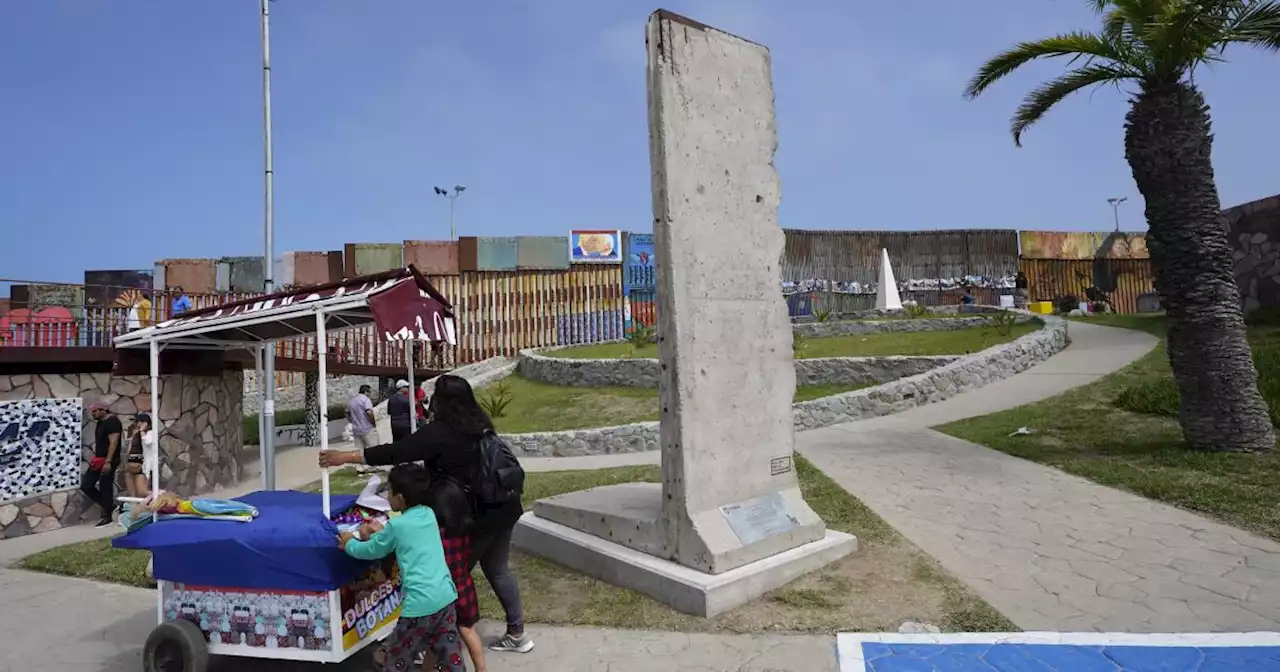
(728, 522)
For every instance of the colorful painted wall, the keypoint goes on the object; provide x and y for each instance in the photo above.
(1110, 266)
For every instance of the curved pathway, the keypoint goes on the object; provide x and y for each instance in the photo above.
(1049, 550)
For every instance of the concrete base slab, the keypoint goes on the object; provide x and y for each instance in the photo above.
(680, 587)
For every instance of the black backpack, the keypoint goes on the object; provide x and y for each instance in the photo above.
(499, 477)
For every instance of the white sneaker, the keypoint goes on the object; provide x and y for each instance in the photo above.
(509, 642)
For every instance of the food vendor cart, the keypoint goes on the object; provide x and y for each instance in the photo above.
(277, 587)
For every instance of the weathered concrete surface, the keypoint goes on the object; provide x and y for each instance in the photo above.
(856, 327)
(723, 323)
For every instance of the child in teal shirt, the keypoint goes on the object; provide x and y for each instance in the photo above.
(427, 618)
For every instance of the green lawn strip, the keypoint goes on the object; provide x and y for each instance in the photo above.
(917, 343)
(949, 342)
(864, 591)
(542, 407)
(1084, 432)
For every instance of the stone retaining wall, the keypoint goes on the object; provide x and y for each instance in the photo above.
(960, 375)
(200, 447)
(937, 384)
(619, 372)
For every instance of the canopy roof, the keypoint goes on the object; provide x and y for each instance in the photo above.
(401, 302)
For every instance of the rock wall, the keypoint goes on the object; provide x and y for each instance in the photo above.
(341, 389)
(935, 384)
(544, 366)
(1255, 239)
(199, 449)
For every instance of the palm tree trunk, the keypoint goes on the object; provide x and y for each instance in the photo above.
(1167, 144)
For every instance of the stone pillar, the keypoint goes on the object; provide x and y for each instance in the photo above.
(729, 497)
(312, 401)
(727, 374)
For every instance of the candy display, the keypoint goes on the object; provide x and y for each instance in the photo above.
(351, 519)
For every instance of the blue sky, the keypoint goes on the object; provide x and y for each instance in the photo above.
(130, 130)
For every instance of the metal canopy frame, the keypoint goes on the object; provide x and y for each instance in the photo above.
(212, 331)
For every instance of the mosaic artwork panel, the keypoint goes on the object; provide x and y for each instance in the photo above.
(39, 447)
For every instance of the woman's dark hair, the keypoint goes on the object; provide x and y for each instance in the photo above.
(454, 404)
(451, 505)
(411, 481)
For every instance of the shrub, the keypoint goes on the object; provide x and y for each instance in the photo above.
(1263, 317)
(1153, 397)
(1160, 397)
(1003, 322)
(823, 315)
(915, 310)
(797, 343)
(641, 336)
(496, 401)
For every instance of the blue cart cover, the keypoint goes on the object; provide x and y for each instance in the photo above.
(289, 546)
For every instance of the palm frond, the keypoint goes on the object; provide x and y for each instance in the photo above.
(1257, 24)
(1039, 101)
(1074, 44)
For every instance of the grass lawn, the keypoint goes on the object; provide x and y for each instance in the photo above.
(886, 582)
(541, 407)
(955, 342)
(1095, 432)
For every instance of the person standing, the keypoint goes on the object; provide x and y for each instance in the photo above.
(364, 429)
(181, 304)
(399, 408)
(449, 446)
(143, 456)
(98, 482)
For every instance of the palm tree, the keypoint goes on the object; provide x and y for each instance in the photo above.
(1155, 46)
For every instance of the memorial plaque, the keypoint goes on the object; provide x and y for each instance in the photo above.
(779, 466)
(759, 518)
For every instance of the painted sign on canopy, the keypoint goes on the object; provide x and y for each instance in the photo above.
(405, 312)
(370, 602)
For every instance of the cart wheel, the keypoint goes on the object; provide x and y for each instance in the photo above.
(176, 646)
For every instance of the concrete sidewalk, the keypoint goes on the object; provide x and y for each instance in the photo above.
(1049, 550)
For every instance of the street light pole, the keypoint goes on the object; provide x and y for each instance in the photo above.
(457, 191)
(268, 411)
(1115, 209)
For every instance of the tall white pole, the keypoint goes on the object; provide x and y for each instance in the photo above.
(322, 359)
(156, 425)
(268, 415)
(413, 387)
(262, 435)
(453, 232)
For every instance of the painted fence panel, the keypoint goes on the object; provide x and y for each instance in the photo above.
(542, 252)
(198, 276)
(1118, 281)
(1083, 244)
(39, 447)
(496, 254)
(432, 257)
(370, 258)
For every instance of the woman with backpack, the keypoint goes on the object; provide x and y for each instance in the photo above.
(458, 443)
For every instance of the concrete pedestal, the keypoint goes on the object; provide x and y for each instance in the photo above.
(684, 589)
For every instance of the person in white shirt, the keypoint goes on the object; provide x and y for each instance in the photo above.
(143, 456)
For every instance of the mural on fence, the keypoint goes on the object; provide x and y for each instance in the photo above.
(1083, 245)
(595, 247)
(102, 288)
(1095, 266)
(839, 269)
(639, 281)
(39, 447)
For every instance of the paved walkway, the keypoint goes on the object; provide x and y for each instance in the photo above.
(1049, 550)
